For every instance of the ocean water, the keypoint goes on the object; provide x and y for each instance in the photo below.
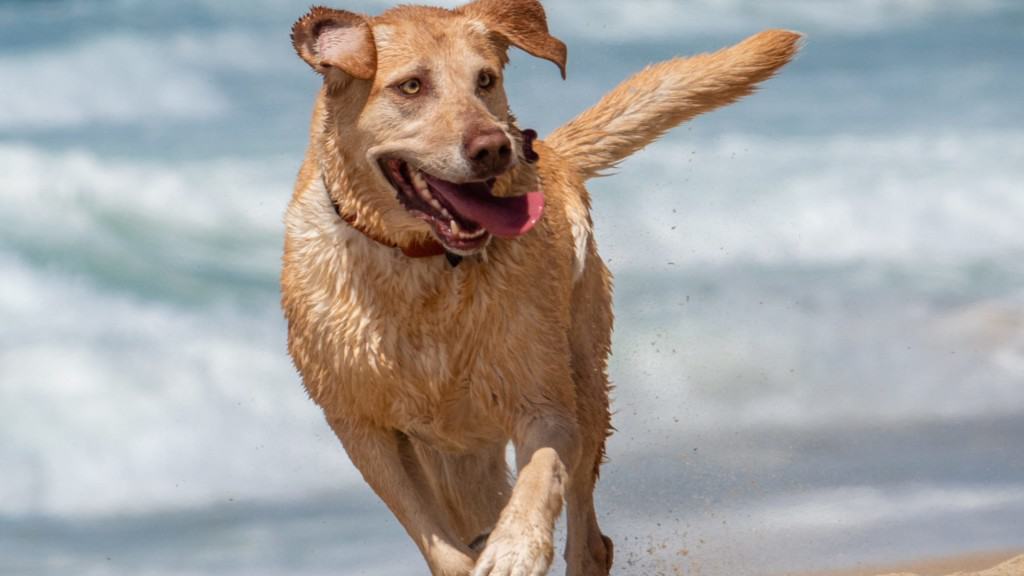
(819, 351)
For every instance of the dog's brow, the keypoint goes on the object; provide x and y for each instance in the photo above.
(413, 70)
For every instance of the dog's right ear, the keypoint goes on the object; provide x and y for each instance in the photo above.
(326, 38)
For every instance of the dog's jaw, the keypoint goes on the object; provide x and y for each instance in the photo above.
(462, 216)
(457, 234)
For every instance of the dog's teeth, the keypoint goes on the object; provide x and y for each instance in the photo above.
(420, 185)
(455, 228)
(433, 202)
(417, 179)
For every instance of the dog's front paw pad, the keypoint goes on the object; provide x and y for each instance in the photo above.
(514, 553)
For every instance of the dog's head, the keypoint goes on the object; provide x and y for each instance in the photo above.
(417, 94)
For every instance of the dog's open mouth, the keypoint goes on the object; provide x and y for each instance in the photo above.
(462, 216)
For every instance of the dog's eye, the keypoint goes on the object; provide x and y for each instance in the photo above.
(485, 80)
(411, 86)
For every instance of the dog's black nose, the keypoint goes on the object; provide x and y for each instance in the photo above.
(489, 151)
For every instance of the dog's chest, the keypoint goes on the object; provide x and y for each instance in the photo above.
(445, 354)
(438, 355)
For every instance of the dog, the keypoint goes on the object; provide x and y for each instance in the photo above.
(442, 286)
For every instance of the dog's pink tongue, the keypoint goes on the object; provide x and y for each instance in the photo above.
(505, 217)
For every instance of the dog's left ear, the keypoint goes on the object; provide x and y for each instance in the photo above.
(523, 24)
(326, 38)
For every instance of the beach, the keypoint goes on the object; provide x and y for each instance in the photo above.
(979, 564)
(818, 356)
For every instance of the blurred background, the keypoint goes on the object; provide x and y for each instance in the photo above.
(819, 353)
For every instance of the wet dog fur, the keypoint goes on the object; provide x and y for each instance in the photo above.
(424, 370)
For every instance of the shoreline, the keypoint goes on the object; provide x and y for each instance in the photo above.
(991, 563)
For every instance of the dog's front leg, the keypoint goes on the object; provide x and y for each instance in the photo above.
(391, 471)
(547, 449)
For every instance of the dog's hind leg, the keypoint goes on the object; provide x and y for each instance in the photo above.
(387, 462)
(588, 552)
(472, 488)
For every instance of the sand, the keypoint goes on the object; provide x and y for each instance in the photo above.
(987, 564)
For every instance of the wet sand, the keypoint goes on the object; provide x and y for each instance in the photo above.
(978, 564)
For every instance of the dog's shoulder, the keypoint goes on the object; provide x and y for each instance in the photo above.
(568, 204)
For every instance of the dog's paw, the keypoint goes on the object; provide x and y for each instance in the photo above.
(516, 551)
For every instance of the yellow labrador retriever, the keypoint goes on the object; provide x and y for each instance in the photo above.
(442, 286)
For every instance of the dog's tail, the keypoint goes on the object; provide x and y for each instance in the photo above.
(661, 96)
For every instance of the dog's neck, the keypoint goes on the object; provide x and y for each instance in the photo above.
(417, 250)
(344, 177)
